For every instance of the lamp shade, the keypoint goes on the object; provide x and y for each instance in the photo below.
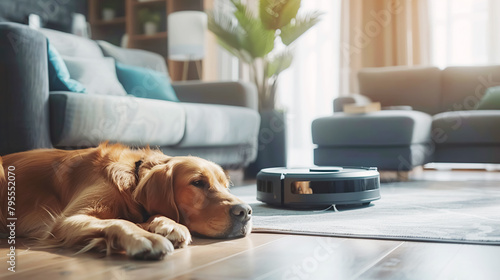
(186, 35)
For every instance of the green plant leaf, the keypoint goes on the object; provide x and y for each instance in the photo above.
(244, 44)
(146, 15)
(274, 14)
(279, 62)
(143, 15)
(245, 17)
(241, 54)
(257, 40)
(227, 32)
(155, 17)
(299, 26)
(111, 4)
(289, 12)
(267, 15)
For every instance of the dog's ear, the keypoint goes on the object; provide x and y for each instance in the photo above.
(2, 175)
(155, 192)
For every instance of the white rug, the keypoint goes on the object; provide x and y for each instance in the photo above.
(461, 212)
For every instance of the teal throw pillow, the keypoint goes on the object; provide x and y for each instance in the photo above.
(490, 100)
(145, 83)
(59, 78)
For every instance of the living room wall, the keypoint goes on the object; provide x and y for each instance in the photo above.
(55, 14)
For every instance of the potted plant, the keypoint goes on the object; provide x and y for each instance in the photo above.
(109, 9)
(150, 20)
(264, 42)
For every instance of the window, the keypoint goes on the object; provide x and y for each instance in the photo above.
(465, 32)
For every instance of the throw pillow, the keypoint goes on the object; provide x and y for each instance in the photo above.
(490, 100)
(59, 78)
(145, 83)
(98, 75)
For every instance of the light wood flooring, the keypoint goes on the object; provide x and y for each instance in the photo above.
(275, 256)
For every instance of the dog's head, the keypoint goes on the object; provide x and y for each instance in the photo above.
(194, 192)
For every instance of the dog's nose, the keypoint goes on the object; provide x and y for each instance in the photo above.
(241, 212)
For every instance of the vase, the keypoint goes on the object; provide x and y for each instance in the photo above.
(108, 14)
(272, 142)
(150, 28)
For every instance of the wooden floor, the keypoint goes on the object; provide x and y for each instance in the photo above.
(273, 256)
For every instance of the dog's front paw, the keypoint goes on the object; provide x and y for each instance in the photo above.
(178, 234)
(147, 246)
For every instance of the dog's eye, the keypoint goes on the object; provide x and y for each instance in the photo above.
(198, 183)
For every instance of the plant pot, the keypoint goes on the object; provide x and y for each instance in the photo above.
(108, 14)
(272, 143)
(150, 28)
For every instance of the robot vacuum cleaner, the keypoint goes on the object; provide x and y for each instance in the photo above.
(318, 186)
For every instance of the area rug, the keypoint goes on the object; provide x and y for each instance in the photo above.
(458, 212)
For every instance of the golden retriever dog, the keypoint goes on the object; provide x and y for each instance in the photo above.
(301, 187)
(117, 199)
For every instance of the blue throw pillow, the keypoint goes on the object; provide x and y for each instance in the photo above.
(59, 78)
(146, 83)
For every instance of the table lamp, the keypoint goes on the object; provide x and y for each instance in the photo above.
(186, 38)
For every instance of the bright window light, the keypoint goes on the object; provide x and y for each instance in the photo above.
(464, 32)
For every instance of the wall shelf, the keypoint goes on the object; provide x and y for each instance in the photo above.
(144, 37)
(115, 21)
(127, 23)
(148, 3)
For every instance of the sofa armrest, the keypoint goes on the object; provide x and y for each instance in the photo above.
(225, 93)
(339, 102)
(24, 89)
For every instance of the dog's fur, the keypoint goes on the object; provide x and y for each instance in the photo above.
(118, 199)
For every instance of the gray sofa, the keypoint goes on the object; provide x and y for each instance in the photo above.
(218, 120)
(443, 126)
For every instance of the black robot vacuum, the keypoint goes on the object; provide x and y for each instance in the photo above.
(318, 186)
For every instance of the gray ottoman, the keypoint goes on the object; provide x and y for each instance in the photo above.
(390, 140)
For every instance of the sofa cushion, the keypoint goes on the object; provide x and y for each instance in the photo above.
(134, 57)
(72, 45)
(232, 93)
(219, 125)
(467, 127)
(145, 83)
(230, 157)
(384, 128)
(97, 75)
(490, 100)
(59, 78)
(385, 158)
(480, 153)
(419, 87)
(82, 120)
(463, 87)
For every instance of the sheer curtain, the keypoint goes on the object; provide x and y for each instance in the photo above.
(465, 32)
(218, 64)
(306, 90)
(379, 33)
